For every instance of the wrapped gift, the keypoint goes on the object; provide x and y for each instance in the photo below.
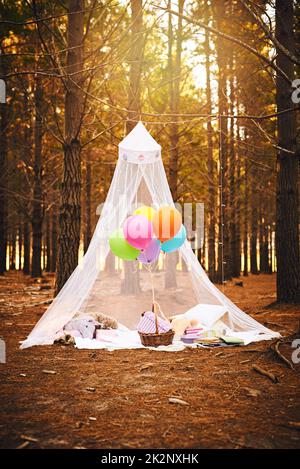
(147, 324)
(193, 331)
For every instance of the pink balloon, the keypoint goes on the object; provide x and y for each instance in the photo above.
(138, 231)
(151, 253)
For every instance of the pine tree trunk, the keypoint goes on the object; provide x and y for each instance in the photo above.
(37, 209)
(110, 263)
(12, 262)
(254, 231)
(48, 243)
(110, 259)
(246, 210)
(270, 250)
(174, 79)
(174, 95)
(223, 246)
(269, 220)
(3, 174)
(28, 144)
(231, 176)
(287, 201)
(131, 284)
(199, 254)
(266, 267)
(44, 254)
(88, 225)
(53, 241)
(263, 239)
(260, 241)
(170, 276)
(69, 216)
(210, 164)
(237, 210)
(20, 244)
(26, 237)
(135, 59)
(70, 209)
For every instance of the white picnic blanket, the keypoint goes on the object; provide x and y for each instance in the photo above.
(123, 339)
(208, 316)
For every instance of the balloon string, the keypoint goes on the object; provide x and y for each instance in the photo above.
(149, 268)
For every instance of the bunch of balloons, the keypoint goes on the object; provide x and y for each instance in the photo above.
(147, 232)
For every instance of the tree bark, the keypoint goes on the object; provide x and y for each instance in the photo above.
(26, 237)
(287, 200)
(269, 237)
(131, 284)
(271, 255)
(236, 272)
(88, 224)
(223, 246)
(246, 210)
(174, 79)
(13, 242)
(263, 239)
(48, 243)
(53, 241)
(70, 208)
(3, 162)
(210, 163)
(37, 208)
(136, 58)
(174, 95)
(254, 227)
(231, 177)
(20, 244)
(170, 276)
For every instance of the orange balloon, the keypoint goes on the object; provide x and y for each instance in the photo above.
(166, 222)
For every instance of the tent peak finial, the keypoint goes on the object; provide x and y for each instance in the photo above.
(139, 146)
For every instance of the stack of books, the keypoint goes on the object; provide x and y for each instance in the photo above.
(191, 334)
(209, 338)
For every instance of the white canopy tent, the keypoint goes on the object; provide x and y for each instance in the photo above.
(97, 284)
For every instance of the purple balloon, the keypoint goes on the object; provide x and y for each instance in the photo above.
(150, 253)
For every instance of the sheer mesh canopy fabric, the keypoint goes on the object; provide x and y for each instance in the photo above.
(103, 283)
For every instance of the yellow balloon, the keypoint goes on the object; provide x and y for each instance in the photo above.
(148, 212)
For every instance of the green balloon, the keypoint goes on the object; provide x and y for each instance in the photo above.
(121, 248)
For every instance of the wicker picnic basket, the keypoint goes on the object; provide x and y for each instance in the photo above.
(156, 339)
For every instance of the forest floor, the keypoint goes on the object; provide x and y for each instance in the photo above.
(61, 397)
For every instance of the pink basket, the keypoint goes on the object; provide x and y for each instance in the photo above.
(147, 324)
(155, 331)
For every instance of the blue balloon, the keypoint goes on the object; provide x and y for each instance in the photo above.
(174, 243)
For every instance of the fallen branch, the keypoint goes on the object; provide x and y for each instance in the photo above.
(29, 438)
(252, 351)
(47, 302)
(252, 392)
(23, 445)
(175, 400)
(293, 425)
(49, 372)
(28, 305)
(146, 366)
(282, 357)
(266, 373)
